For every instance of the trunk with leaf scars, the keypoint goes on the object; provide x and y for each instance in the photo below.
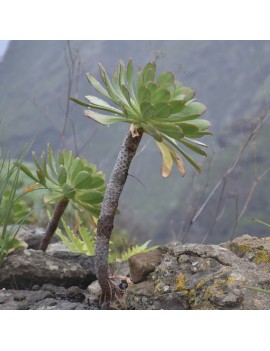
(109, 207)
(53, 224)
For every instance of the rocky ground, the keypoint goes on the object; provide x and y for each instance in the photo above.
(174, 276)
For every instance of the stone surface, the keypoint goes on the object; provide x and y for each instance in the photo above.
(196, 276)
(26, 268)
(142, 264)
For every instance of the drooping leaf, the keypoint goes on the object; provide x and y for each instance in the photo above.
(180, 164)
(167, 161)
(187, 157)
(195, 142)
(192, 147)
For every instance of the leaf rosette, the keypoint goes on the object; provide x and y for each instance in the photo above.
(160, 106)
(69, 176)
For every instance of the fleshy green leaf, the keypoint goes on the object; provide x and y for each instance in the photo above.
(101, 105)
(201, 124)
(149, 72)
(162, 110)
(104, 119)
(91, 197)
(130, 69)
(193, 147)
(160, 95)
(147, 109)
(191, 111)
(51, 160)
(184, 94)
(139, 81)
(111, 90)
(152, 86)
(95, 83)
(143, 94)
(171, 130)
(62, 175)
(188, 129)
(165, 78)
(69, 192)
(97, 182)
(176, 106)
(26, 170)
(82, 180)
(152, 131)
(76, 167)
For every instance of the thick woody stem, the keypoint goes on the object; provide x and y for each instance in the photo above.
(109, 207)
(53, 224)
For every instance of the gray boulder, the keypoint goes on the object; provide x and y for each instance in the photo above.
(23, 269)
(196, 276)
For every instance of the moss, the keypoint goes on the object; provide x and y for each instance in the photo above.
(200, 284)
(243, 249)
(261, 257)
(180, 284)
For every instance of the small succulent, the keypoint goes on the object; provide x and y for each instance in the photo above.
(162, 107)
(71, 177)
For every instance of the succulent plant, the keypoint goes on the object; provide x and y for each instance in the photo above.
(162, 107)
(69, 179)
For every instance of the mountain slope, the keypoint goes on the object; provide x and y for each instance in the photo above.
(230, 77)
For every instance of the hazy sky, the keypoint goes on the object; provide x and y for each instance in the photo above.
(3, 46)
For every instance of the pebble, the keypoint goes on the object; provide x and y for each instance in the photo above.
(19, 296)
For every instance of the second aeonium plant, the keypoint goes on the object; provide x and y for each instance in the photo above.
(158, 106)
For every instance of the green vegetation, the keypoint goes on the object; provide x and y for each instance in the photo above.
(83, 240)
(67, 178)
(160, 107)
(11, 209)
